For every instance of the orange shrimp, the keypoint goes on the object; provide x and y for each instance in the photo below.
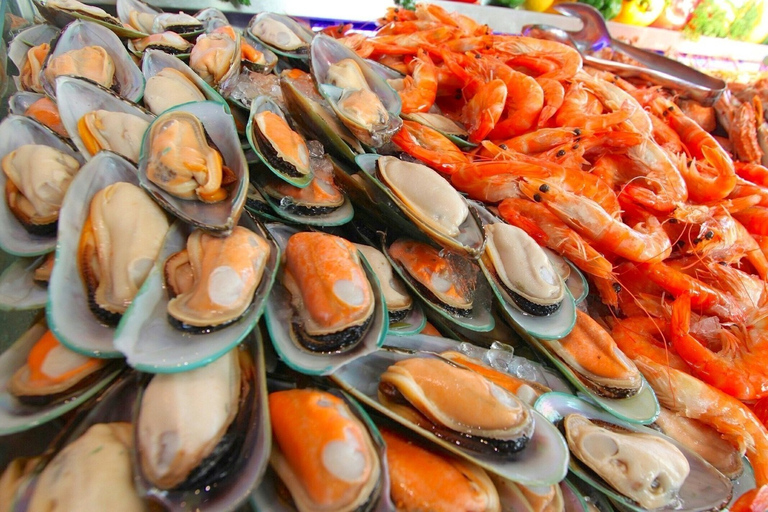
(419, 90)
(337, 31)
(645, 242)
(718, 177)
(614, 99)
(554, 95)
(753, 172)
(429, 146)
(743, 133)
(541, 140)
(547, 229)
(734, 369)
(665, 187)
(571, 180)
(406, 27)
(578, 110)
(525, 101)
(409, 44)
(465, 24)
(665, 136)
(484, 109)
(644, 336)
(692, 398)
(707, 298)
(755, 219)
(754, 500)
(567, 59)
(358, 43)
(486, 186)
(396, 14)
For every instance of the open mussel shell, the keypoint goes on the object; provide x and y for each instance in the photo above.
(80, 34)
(18, 289)
(155, 61)
(470, 240)
(190, 28)
(544, 459)
(284, 207)
(269, 496)
(257, 205)
(24, 41)
(704, 489)
(61, 14)
(77, 97)
(215, 217)
(279, 315)
(166, 42)
(149, 341)
(553, 326)
(574, 279)
(211, 18)
(478, 319)
(246, 466)
(325, 52)
(69, 316)
(16, 131)
(20, 101)
(270, 58)
(292, 45)
(319, 122)
(438, 122)
(16, 417)
(266, 152)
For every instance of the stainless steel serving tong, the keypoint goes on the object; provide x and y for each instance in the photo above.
(655, 68)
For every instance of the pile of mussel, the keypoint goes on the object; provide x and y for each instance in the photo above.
(251, 296)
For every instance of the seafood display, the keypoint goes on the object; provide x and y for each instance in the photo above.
(393, 202)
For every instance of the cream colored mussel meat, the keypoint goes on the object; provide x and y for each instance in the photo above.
(120, 241)
(115, 131)
(278, 35)
(214, 279)
(92, 62)
(524, 270)
(214, 56)
(168, 88)
(30, 73)
(183, 417)
(38, 179)
(643, 467)
(425, 193)
(395, 294)
(181, 161)
(92, 473)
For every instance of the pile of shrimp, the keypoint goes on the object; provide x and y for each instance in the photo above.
(670, 229)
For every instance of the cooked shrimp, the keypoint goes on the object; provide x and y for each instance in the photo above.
(483, 110)
(429, 146)
(419, 90)
(646, 336)
(577, 111)
(645, 242)
(554, 95)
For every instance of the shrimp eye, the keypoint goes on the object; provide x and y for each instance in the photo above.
(680, 243)
(575, 146)
(503, 146)
(577, 131)
(722, 263)
(696, 240)
(544, 188)
(710, 235)
(616, 287)
(673, 221)
(561, 153)
(537, 198)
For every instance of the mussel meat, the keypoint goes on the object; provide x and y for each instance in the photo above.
(46, 112)
(156, 23)
(119, 243)
(427, 194)
(422, 479)
(399, 303)
(213, 280)
(440, 279)
(457, 404)
(91, 473)
(38, 178)
(320, 197)
(594, 357)
(115, 131)
(643, 467)
(181, 161)
(169, 42)
(276, 34)
(523, 269)
(30, 73)
(73, 6)
(91, 62)
(177, 449)
(214, 56)
(53, 372)
(168, 88)
(283, 148)
(322, 453)
(332, 299)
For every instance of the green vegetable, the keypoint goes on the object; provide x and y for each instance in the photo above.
(608, 8)
(244, 2)
(508, 3)
(711, 18)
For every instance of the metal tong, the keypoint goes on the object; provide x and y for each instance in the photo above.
(655, 68)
